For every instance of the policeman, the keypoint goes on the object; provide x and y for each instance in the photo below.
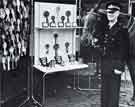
(131, 60)
(114, 44)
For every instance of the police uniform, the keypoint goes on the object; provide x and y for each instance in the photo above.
(114, 45)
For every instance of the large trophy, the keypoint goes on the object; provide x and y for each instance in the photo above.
(47, 48)
(68, 23)
(67, 47)
(56, 46)
(46, 23)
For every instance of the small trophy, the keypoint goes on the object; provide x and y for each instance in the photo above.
(53, 24)
(47, 48)
(56, 47)
(58, 59)
(43, 61)
(67, 47)
(61, 24)
(46, 15)
(71, 58)
(68, 14)
(52, 63)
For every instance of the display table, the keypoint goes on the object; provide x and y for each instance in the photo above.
(58, 68)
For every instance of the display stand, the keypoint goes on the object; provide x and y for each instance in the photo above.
(55, 44)
(30, 101)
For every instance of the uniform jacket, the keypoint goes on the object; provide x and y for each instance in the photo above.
(132, 39)
(114, 44)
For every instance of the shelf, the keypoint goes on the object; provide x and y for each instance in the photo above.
(59, 68)
(58, 28)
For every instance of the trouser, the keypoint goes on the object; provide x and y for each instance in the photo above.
(131, 67)
(110, 90)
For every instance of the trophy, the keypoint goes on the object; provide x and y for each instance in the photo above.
(47, 48)
(67, 47)
(58, 59)
(43, 61)
(61, 24)
(71, 58)
(46, 15)
(52, 63)
(53, 23)
(56, 47)
(68, 14)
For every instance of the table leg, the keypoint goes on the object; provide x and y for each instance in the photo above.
(74, 80)
(44, 100)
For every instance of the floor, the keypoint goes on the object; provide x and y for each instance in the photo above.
(60, 91)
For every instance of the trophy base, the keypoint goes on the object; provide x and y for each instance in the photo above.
(60, 24)
(74, 24)
(52, 25)
(68, 24)
(44, 24)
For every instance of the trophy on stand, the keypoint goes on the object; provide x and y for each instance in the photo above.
(47, 48)
(67, 47)
(53, 23)
(68, 14)
(58, 59)
(61, 24)
(43, 61)
(46, 23)
(56, 47)
(71, 58)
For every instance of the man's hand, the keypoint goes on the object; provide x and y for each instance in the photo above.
(116, 71)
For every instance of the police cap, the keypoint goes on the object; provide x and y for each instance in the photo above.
(113, 5)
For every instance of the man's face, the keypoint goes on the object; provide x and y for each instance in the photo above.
(112, 14)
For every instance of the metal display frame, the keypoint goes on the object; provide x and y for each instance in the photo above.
(30, 101)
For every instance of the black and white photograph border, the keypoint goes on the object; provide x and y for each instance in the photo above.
(70, 60)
